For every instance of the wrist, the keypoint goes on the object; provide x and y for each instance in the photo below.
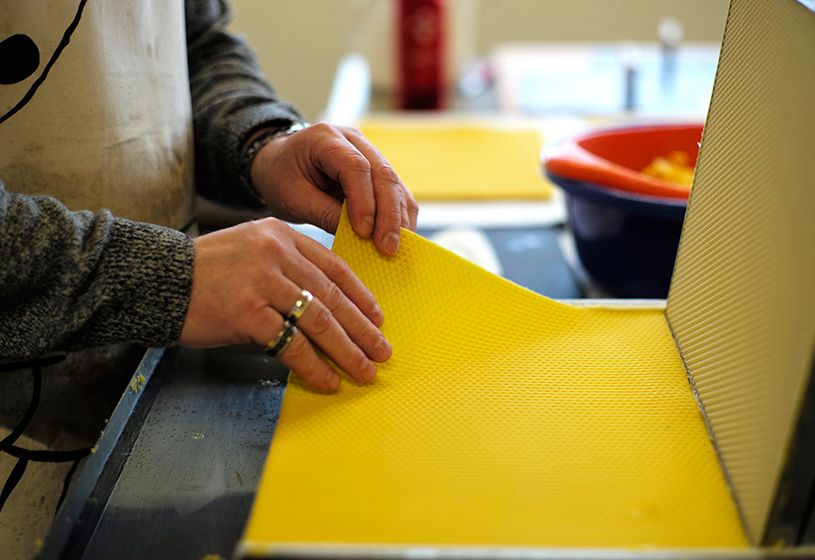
(257, 141)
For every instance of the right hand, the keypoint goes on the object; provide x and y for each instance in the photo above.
(246, 279)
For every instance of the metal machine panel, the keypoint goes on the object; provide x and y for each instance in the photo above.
(742, 300)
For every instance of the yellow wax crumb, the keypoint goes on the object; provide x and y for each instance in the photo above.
(675, 168)
(137, 383)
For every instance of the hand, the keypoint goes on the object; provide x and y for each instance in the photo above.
(246, 279)
(306, 175)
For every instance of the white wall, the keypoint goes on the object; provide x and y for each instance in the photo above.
(300, 42)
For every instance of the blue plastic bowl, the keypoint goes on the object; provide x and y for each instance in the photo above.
(627, 242)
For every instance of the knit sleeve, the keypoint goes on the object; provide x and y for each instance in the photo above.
(231, 100)
(73, 280)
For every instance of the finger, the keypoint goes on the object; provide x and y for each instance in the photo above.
(337, 326)
(340, 160)
(338, 272)
(323, 330)
(299, 356)
(326, 209)
(387, 189)
(412, 208)
(388, 218)
(405, 215)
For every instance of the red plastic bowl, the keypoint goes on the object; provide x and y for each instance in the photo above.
(615, 158)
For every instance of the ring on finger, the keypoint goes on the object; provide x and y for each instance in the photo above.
(282, 340)
(300, 306)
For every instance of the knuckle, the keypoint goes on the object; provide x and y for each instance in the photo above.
(267, 221)
(247, 302)
(254, 232)
(276, 226)
(273, 246)
(411, 202)
(321, 128)
(274, 240)
(388, 174)
(358, 163)
(322, 321)
(308, 371)
(325, 217)
(333, 297)
(304, 371)
(264, 225)
(352, 131)
(360, 362)
(393, 217)
(373, 337)
(252, 326)
(249, 329)
(337, 268)
(312, 369)
(298, 350)
(405, 213)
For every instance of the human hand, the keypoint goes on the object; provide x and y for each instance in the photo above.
(246, 280)
(306, 175)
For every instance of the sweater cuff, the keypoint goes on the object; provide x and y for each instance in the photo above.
(151, 268)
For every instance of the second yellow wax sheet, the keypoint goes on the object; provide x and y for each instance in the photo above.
(503, 419)
(462, 160)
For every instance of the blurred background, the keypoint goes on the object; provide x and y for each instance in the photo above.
(300, 44)
(490, 112)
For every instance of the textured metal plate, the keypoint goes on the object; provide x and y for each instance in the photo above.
(742, 299)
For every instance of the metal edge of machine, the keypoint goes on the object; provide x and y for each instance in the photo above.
(792, 517)
(297, 551)
(85, 501)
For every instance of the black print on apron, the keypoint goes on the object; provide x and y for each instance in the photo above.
(20, 59)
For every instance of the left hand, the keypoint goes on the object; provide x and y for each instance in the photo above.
(245, 279)
(306, 175)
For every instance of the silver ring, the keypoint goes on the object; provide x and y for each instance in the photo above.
(282, 341)
(299, 306)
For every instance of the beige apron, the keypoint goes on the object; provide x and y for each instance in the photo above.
(109, 127)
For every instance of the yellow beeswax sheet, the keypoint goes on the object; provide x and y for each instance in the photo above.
(503, 419)
(441, 160)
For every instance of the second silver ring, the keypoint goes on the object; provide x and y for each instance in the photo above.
(282, 340)
(300, 306)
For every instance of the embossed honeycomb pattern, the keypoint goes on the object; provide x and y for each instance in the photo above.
(503, 418)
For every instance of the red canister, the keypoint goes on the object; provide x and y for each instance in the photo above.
(420, 54)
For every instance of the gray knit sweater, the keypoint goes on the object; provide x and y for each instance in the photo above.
(74, 280)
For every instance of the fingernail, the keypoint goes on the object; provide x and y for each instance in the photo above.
(377, 316)
(391, 243)
(383, 349)
(367, 226)
(333, 382)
